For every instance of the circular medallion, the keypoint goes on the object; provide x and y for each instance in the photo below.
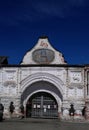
(43, 56)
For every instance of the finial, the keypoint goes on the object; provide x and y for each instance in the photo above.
(43, 37)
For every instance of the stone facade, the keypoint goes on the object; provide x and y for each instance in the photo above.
(43, 69)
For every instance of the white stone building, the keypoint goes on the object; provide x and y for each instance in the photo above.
(44, 83)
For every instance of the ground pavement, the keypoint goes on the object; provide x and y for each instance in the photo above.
(42, 124)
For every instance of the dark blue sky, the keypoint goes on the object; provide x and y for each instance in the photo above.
(65, 22)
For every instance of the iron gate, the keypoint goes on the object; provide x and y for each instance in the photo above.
(44, 106)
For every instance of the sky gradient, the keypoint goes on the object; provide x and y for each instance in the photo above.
(65, 22)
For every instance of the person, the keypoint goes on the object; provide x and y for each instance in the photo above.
(22, 111)
(71, 111)
(1, 111)
(83, 111)
(28, 109)
(11, 108)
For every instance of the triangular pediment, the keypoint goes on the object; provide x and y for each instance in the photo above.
(43, 53)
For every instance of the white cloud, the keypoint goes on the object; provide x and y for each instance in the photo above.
(57, 7)
(77, 2)
(33, 10)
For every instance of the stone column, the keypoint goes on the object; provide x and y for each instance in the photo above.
(17, 105)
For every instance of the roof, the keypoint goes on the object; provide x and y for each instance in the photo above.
(3, 60)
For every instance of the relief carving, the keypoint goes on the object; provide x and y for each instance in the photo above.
(80, 86)
(76, 79)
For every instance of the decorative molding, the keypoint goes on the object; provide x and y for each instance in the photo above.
(73, 85)
(9, 83)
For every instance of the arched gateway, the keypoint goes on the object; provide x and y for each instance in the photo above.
(42, 98)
